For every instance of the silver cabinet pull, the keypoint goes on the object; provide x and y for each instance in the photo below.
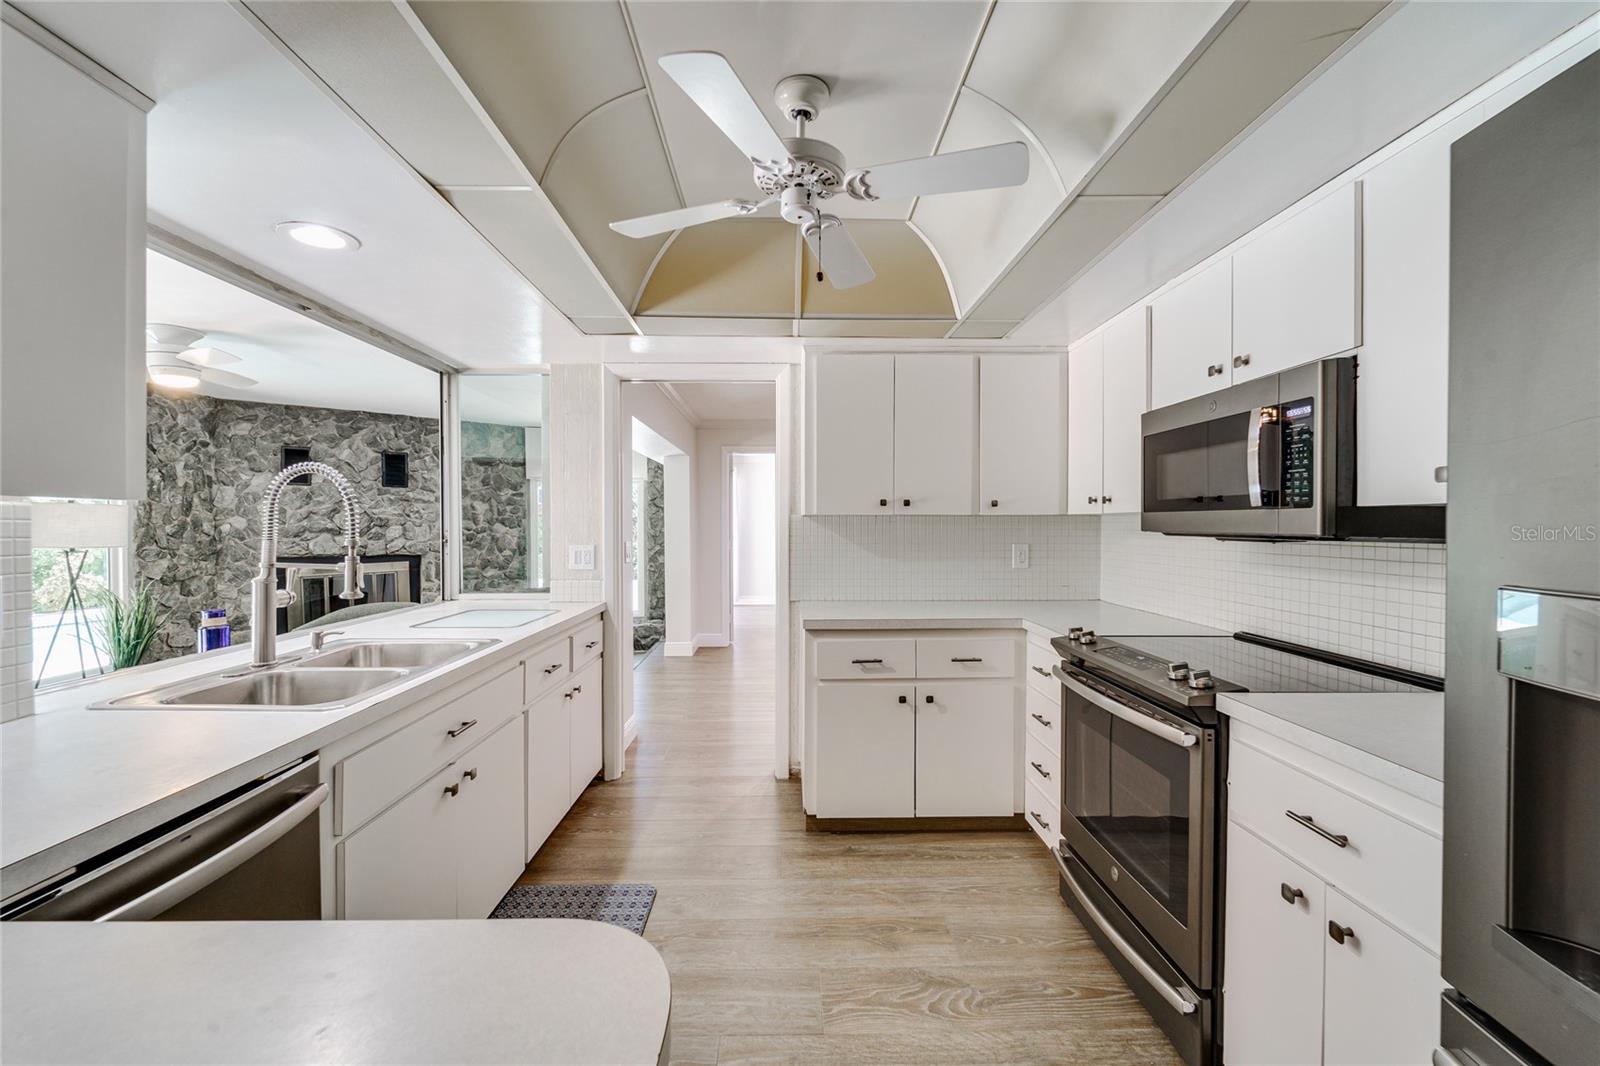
(452, 790)
(866, 662)
(1147, 722)
(1042, 771)
(1241, 360)
(462, 728)
(1041, 671)
(1036, 816)
(1340, 933)
(1214, 370)
(1289, 893)
(966, 658)
(470, 775)
(589, 646)
(1041, 719)
(1310, 823)
(553, 667)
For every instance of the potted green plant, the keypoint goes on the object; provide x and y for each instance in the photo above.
(129, 626)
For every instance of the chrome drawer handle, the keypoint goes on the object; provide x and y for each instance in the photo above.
(1289, 893)
(462, 728)
(1340, 933)
(1042, 771)
(866, 662)
(1310, 823)
(1041, 671)
(1040, 819)
(966, 659)
(1042, 720)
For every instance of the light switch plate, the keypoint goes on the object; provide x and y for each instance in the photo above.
(1019, 557)
(580, 556)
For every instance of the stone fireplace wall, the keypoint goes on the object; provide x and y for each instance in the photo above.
(197, 535)
(494, 508)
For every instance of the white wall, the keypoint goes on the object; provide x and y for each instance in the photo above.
(662, 432)
(713, 592)
(754, 528)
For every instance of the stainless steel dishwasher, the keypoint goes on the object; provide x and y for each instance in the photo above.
(251, 854)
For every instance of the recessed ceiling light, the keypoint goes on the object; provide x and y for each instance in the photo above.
(172, 374)
(316, 235)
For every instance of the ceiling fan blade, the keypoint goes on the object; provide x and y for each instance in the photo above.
(716, 89)
(226, 379)
(666, 221)
(841, 259)
(208, 357)
(993, 167)
(165, 337)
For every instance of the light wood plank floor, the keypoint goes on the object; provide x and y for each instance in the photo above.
(788, 946)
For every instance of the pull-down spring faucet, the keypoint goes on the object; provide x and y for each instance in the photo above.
(265, 596)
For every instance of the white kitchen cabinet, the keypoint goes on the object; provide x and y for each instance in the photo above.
(583, 709)
(865, 750)
(1297, 288)
(401, 864)
(1382, 991)
(489, 828)
(1125, 388)
(1273, 966)
(549, 764)
(1405, 336)
(1191, 336)
(1022, 448)
(850, 402)
(935, 433)
(966, 750)
(1085, 424)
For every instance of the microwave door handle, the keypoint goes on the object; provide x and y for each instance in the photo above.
(1252, 459)
(1170, 733)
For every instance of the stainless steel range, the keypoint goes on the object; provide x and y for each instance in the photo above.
(1144, 800)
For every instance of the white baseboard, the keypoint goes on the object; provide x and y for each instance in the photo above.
(630, 732)
(710, 640)
(678, 648)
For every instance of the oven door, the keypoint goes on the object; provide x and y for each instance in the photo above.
(1138, 807)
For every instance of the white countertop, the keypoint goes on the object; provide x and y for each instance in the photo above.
(1394, 737)
(74, 781)
(1046, 618)
(527, 991)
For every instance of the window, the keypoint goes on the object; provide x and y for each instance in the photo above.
(502, 504)
(79, 557)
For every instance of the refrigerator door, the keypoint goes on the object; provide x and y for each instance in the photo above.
(1524, 509)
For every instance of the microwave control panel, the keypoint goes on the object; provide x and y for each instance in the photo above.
(1298, 426)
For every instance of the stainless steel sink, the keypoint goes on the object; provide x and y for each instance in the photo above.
(289, 689)
(402, 654)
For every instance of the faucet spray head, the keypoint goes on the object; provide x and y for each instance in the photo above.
(352, 576)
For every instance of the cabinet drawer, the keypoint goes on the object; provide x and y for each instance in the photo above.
(548, 667)
(853, 658)
(1389, 864)
(1040, 660)
(940, 657)
(1041, 766)
(587, 644)
(1043, 815)
(1043, 719)
(375, 776)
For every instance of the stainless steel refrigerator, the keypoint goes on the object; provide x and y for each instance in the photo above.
(1521, 933)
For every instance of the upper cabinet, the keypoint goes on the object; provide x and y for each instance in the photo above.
(1022, 450)
(850, 408)
(1085, 420)
(1191, 336)
(72, 368)
(935, 433)
(1297, 288)
(1125, 387)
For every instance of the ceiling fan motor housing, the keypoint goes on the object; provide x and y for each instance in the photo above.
(814, 165)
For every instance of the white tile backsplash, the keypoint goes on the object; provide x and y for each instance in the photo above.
(16, 612)
(954, 557)
(1380, 601)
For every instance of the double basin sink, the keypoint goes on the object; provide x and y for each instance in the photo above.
(326, 680)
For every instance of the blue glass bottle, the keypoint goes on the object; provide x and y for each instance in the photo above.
(213, 632)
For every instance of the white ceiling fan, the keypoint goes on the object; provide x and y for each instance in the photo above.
(799, 172)
(171, 359)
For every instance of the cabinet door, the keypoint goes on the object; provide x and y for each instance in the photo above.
(1191, 336)
(583, 708)
(1127, 374)
(866, 750)
(966, 748)
(1405, 333)
(489, 827)
(401, 864)
(549, 766)
(1297, 288)
(852, 434)
(1382, 991)
(1021, 446)
(1085, 424)
(1272, 968)
(935, 433)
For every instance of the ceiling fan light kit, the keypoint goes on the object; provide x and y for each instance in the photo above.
(800, 171)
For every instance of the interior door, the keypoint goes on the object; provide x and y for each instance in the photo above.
(935, 433)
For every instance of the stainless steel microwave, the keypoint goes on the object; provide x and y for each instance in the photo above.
(1272, 459)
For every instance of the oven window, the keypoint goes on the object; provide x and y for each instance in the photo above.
(1130, 790)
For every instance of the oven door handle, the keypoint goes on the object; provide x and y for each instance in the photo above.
(1150, 724)
(1181, 999)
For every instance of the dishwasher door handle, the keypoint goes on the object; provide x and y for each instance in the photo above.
(165, 896)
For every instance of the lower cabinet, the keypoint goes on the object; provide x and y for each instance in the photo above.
(866, 750)
(1380, 990)
(450, 847)
(583, 734)
(966, 749)
(549, 765)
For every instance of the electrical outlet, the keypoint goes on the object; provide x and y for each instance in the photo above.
(580, 556)
(1019, 557)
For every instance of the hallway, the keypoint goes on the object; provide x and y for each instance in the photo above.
(791, 946)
